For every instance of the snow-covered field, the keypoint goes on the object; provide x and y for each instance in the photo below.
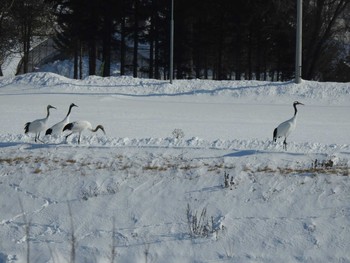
(132, 195)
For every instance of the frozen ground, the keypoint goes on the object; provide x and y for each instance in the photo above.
(282, 206)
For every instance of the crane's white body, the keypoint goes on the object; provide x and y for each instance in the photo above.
(58, 127)
(80, 126)
(38, 125)
(286, 127)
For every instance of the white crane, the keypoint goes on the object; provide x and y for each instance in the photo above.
(80, 126)
(58, 127)
(285, 128)
(38, 125)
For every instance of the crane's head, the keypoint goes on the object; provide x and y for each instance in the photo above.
(101, 128)
(50, 107)
(297, 103)
(73, 105)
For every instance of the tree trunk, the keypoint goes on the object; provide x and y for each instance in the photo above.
(122, 36)
(26, 45)
(152, 39)
(92, 57)
(80, 61)
(122, 47)
(220, 44)
(321, 33)
(76, 59)
(151, 59)
(259, 48)
(250, 51)
(136, 38)
(106, 72)
(156, 47)
(238, 49)
(107, 61)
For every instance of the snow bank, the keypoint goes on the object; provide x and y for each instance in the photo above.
(332, 93)
(138, 188)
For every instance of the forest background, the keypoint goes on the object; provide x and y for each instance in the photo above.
(224, 39)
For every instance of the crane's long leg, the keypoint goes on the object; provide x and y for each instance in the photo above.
(68, 135)
(39, 139)
(36, 138)
(285, 144)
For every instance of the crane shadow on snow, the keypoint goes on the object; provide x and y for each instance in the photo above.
(37, 146)
(9, 144)
(242, 153)
(3, 258)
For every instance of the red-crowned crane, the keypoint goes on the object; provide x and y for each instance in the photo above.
(285, 128)
(80, 126)
(58, 127)
(38, 125)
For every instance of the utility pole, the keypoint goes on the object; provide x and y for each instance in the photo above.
(299, 42)
(171, 62)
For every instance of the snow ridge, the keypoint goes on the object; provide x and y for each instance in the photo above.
(130, 188)
(170, 142)
(331, 92)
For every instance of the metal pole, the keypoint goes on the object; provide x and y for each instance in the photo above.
(298, 51)
(171, 66)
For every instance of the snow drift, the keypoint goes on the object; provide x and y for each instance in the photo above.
(217, 190)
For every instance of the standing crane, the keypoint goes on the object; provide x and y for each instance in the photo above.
(58, 127)
(80, 126)
(38, 125)
(285, 128)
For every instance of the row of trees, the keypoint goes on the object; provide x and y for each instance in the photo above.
(21, 22)
(225, 39)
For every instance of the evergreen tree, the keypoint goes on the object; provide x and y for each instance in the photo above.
(224, 39)
(322, 24)
(31, 20)
(8, 37)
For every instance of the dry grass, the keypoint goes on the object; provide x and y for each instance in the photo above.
(336, 170)
(122, 164)
(154, 168)
(37, 171)
(14, 161)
